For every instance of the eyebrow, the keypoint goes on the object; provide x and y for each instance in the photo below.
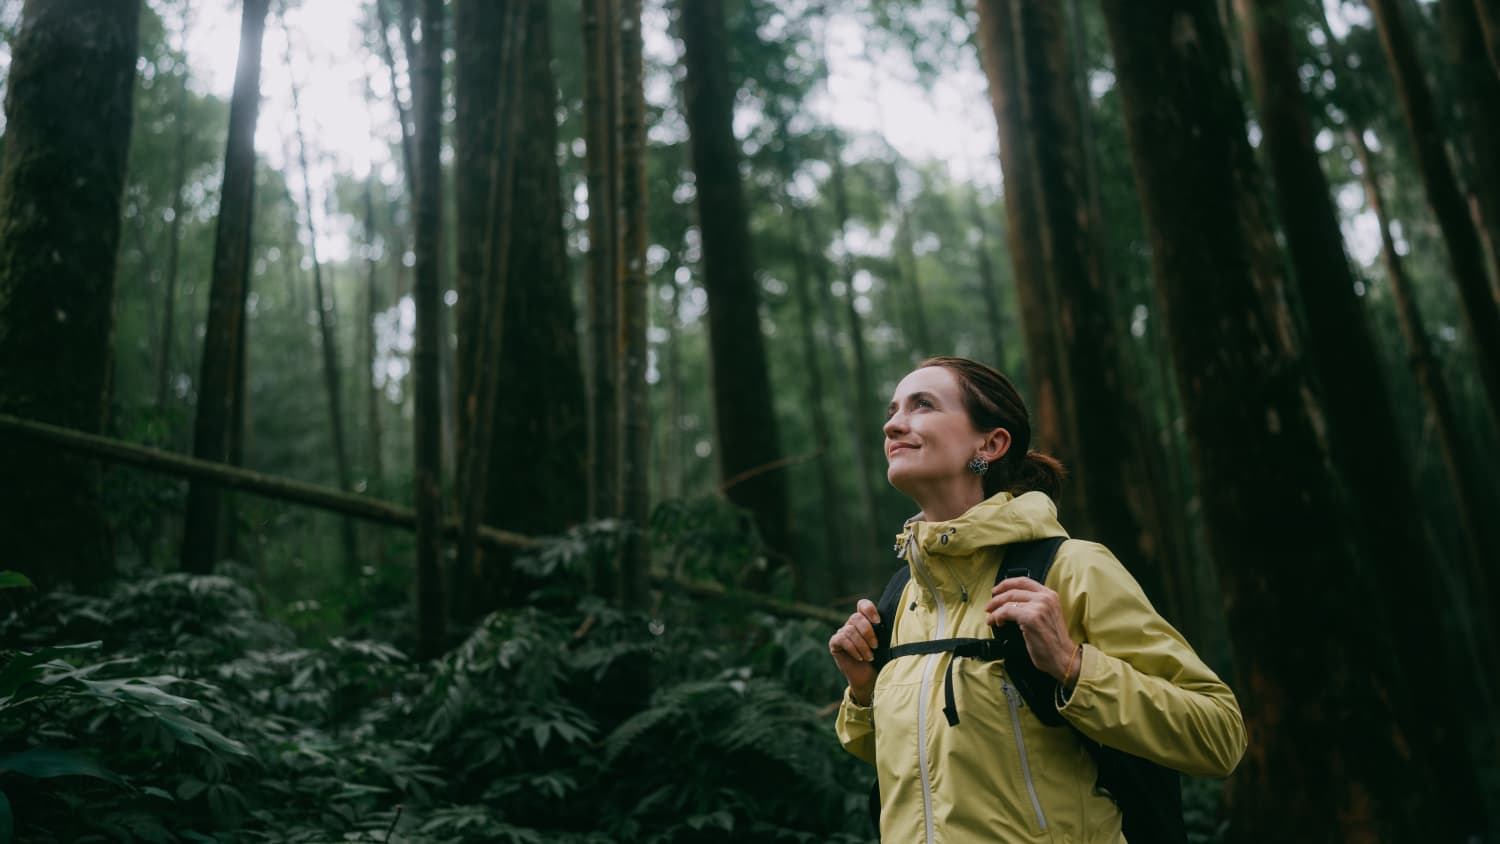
(920, 394)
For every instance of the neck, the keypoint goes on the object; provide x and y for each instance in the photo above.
(940, 504)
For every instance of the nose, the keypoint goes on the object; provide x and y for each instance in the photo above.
(894, 426)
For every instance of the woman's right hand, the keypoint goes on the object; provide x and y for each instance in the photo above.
(853, 649)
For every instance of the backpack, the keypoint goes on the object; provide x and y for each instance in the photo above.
(1149, 795)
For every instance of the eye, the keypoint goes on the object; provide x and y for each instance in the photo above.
(923, 403)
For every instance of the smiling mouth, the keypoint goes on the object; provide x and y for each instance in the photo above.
(891, 452)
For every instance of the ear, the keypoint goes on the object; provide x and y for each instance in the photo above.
(996, 444)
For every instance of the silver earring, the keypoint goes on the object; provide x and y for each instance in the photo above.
(979, 465)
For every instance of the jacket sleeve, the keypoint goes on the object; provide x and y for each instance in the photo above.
(856, 729)
(1141, 689)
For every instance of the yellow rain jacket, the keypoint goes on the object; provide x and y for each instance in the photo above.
(1000, 775)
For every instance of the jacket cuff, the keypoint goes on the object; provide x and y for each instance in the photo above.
(1078, 699)
(853, 712)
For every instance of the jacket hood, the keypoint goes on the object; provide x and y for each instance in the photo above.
(1001, 519)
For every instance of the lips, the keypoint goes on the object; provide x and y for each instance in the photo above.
(890, 450)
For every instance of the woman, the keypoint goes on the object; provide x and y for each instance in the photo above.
(956, 443)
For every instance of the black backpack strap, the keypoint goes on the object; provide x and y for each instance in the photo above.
(886, 607)
(1031, 559)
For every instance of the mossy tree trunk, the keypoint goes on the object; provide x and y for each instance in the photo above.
(1325, 708)
(62, 176)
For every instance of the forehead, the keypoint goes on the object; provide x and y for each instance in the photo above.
(937, 380)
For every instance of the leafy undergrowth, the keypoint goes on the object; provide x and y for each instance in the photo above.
(173, 710)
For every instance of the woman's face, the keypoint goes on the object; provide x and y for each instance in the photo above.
(929, 438)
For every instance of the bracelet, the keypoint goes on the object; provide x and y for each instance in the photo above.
(1068, 674)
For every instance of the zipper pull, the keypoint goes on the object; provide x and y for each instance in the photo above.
(963, 592)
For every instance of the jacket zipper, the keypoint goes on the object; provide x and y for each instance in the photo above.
(926, 687)
(1012, 696)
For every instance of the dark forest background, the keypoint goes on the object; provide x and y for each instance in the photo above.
(509, 489)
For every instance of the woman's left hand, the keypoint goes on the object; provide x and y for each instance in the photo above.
(1036, 610)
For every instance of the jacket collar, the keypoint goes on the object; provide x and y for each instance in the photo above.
(1001, 519)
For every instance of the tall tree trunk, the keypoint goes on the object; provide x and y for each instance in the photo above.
(634, 410)
(1478, 94)
(1330, 721)
(862, 409)
(373, 398)
(1488, 12)
(1481, 312)
(672, 481)
(62, 176)
(427, 296)
(226, 297)
(1052, 420)
(408, 166)
(836, 558)
(602, 179)
(323, 304)
(989, 283)
(1352, 390)
(1067, 259)
(1459, 465)
(748, 439)
(174, 242)
(905, 265)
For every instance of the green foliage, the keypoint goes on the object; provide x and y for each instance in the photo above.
(189, 716)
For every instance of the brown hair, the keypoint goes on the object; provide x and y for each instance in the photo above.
(993, 402)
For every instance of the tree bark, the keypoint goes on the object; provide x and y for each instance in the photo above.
(1067, 261)
(408, 166)
(427, 296)
(62, 175)
(1481, 312)
(863, 406)
(1325, 711)
(1477, 91)
(1488, 12)
(1459, 465)
(174, 243)
(1352, 389)
(741, 381)
(634, 411)
(226, 298)
(602, 179)
(1052, 420)
(322, 304)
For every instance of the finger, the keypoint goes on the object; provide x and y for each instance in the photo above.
(1024, 584)
(855, 644)
(865, 629)
(867, 608)
(1011, 596)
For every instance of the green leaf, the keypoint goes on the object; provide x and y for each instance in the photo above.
(44, 764)
(198, 734)
(21, 670)
(7, 821)
(13, 580)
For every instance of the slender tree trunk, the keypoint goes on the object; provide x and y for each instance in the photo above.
(1481, 312)
(863, 407)
(672, 482)
(226, 298)
(1052, 420)
(174, 241)
(62, 176)
(1459, 465)
(1330, 721)
(1478, 94)
(322, 303)
(839, 571)
(745, 415)
(634, 410)
(1488, 12)
(427, 295)
(408, 167)
(373, 397)
(989, 283)
(908, 276)
(1352, 387)
(602, 178)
